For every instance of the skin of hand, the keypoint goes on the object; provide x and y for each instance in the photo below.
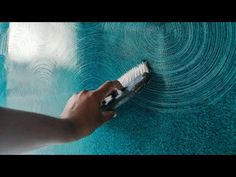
(22, 131)
(83, 112)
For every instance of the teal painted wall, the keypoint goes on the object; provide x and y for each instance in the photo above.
(3, 51)
(188, 108)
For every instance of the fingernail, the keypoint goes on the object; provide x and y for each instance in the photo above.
(115, 115)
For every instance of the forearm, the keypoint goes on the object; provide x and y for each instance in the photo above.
(22, 131)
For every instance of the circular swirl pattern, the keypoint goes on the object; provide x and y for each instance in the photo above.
(193, 64)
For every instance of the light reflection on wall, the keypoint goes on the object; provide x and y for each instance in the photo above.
(42, 41)
(37, 54)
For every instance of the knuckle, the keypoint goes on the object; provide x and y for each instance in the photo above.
(109, 82)
(94, 94)
(90, 94)
(83, 92)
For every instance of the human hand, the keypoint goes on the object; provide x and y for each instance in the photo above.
(83, 112)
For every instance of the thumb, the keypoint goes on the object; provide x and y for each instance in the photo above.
(108, 115)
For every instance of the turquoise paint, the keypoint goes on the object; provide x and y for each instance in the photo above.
(3, 53)
(2, 81)
(188, 108)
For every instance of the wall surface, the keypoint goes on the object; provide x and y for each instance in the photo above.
(3, 52)
(189, 107)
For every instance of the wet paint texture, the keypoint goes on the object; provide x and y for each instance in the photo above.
(189, 107)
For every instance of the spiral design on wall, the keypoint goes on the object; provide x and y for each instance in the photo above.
(193, 64)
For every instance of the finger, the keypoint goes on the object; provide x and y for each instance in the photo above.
(106, 116)
(113, 92)
(106, 88)
(82, 92)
